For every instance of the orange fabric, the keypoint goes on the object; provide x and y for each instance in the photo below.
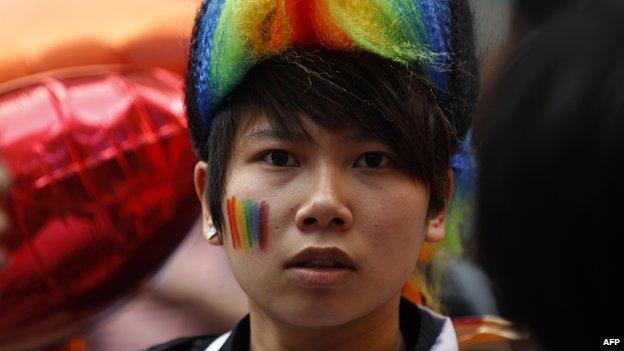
(486, 332)
(43, 35)
(411, 293)
(426, 253)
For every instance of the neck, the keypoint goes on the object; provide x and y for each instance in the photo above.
(378, 330)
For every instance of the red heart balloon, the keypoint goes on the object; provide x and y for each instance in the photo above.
(102, 192)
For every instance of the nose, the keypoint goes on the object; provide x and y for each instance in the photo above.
(325, 207)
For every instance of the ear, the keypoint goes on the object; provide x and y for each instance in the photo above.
(437, 223)
(208, 229)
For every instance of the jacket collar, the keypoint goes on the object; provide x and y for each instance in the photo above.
(420, 329)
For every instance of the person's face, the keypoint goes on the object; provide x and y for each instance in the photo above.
(343, 197)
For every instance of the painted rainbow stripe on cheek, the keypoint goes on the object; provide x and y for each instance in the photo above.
(248, 221)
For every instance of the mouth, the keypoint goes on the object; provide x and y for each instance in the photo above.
(320, 258)
(320, 264)
(321, 267)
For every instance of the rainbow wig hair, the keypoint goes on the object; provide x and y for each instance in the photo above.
(231, 36)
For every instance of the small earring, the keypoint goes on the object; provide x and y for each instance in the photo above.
(212, 231)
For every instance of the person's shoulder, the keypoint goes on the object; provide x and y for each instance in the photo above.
(194, 343)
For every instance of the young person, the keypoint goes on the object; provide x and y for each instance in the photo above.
(550, 183)
(326, 130)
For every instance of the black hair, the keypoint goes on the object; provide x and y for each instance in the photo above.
(550, 193)
(394, 102)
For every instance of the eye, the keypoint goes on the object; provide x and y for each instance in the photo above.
(373, 160)
(280, 158)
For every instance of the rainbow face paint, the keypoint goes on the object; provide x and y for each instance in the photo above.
(248, 221)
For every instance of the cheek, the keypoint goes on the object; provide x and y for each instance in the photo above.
(396, 223)
(253, 243)
(395, 212)
(246, 212)
(248, 221)
(256, 219)
(275, 202)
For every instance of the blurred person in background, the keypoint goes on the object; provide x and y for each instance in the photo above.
(4, 185)
(194, 292)
(525, 19)
(83, 38)
(550, 183)
(503, 27)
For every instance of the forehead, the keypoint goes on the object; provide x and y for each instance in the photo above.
(305, 130)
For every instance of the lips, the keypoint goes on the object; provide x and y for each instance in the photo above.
(323, 268)
(321, 258)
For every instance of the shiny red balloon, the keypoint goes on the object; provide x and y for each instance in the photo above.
(102, 192)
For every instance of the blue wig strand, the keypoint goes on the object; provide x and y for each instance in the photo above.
(437, 17)
(463, 165)
(204, 86)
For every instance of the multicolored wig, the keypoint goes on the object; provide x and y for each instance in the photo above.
(231, 36)
(434, 37)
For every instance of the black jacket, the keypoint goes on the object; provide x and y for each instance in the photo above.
(419, 327)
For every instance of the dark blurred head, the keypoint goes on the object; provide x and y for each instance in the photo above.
(550, 184)
(535, 13)
(528, 18)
